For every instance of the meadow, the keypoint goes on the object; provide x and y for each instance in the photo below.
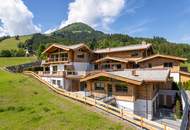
(27, 104)
(11, 43)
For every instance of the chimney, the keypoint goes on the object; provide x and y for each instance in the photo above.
(134, 73)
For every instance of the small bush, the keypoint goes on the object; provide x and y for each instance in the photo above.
(20, 109)
(33, 111)
(46, 109)
(2, 110)
(40, 104)
(35, 92)
(11, 108)
(36, 118)
(178, 110)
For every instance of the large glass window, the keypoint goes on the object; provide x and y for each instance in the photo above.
(121, 87)
(106, 66)
(64, 56)
(59, 83)
(99, 85)
(54, 81)
(54, 69)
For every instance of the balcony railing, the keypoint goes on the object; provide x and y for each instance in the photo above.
(57, 59)
(61, 73)
(51, 74)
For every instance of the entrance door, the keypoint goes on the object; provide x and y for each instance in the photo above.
(109, 90)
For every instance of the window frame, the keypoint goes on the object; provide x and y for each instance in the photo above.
(121, 87)
(101, 86)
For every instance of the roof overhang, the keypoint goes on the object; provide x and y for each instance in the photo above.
(111, 58)
(162, 56)
(104, 74)
(82, 45)
(55, 46)
(123, 48)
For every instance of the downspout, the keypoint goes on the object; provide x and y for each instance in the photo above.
(146, 104)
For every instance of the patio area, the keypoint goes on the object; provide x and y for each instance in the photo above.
(167, 116)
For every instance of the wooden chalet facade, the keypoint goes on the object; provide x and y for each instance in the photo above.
(137, 79)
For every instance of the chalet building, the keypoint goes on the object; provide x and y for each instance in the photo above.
(131, 77)
(65, 65)
(140, 91)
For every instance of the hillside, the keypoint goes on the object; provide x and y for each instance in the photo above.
(27, 104)
(76, 28)
(11, 43)
(80, 32)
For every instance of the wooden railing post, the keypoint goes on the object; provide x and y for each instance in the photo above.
(85, 99)
(121, 112)
(164, 126)
(141, 122)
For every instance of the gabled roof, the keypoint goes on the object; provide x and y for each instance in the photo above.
(162, 56)
(124, 60)
(124, 48)
(117, 77)
(141, 75)
(67, 48)
(146, 75)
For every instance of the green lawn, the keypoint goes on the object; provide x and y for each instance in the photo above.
(12, 43)
(8, 61)
(27, 104)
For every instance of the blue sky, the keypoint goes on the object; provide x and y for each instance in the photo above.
(140, 18)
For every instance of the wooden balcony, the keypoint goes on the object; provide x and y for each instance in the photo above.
(51, 74)
(56, 60)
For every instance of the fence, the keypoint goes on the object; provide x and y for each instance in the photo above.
(20, 68)
(135, 119)
(185, 117)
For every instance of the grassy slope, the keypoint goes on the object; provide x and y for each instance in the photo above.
(8, 61)
(26, 104)
(11, 43)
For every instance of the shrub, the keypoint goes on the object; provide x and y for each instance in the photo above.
(20, 53)
(46, 109)
(5, 53)
(20, 108)
(35, 92)
(17, 37)
(175, 86)
(178, 110)
(11, 108)
(21, 45)
(2, 110)
(13, 53)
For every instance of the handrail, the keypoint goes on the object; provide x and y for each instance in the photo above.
(133, 118)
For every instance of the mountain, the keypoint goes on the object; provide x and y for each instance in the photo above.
(76, 28)
(80, 32)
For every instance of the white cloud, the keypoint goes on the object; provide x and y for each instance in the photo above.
(139, 27)
(97, 13)
(50, 30)
(16, 19)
